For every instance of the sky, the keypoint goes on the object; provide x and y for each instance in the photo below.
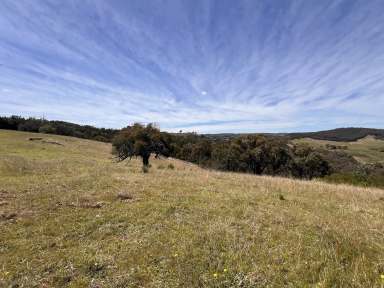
(195, 65)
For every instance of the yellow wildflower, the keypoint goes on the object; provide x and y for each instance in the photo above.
(215, 275)
(225, 270)
(382, 277)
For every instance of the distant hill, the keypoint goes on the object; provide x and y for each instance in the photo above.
(340, 134)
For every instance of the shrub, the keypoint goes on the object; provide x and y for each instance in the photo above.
(48, 129)
(171, 166)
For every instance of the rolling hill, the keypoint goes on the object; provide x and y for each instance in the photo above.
(365, 150)
(70, 216)
(340, 134)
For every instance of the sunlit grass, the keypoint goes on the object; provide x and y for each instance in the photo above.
(179, 227)
(366, 150)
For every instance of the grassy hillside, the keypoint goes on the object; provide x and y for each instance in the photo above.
(366, 150)
(63, 223)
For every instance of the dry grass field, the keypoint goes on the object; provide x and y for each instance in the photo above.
(72, 217)
(365, 150)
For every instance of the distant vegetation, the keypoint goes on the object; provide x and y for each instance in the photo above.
(57, 127)
(254, 154)
(261, 154)
(359, 163)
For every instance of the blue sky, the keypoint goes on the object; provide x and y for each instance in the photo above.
(201, 65)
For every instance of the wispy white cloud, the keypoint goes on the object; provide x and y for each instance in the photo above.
(207, 66)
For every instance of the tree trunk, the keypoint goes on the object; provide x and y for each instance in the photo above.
(146, 159)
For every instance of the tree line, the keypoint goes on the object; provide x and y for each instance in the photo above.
(57, 127)
(256, 154)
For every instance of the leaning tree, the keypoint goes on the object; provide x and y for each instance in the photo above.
(140, 140)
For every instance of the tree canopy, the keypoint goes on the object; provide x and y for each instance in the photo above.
(140, 140)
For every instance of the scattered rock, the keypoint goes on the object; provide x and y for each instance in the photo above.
(124, 196)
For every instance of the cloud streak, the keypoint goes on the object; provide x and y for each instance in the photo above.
(206, 66)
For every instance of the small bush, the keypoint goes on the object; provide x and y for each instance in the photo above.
(47, 129)
(171, 166)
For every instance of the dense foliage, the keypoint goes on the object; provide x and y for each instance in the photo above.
(256, 154)
(140, 140)
(56, 127)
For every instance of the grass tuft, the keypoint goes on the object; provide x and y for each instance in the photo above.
(171, 166)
